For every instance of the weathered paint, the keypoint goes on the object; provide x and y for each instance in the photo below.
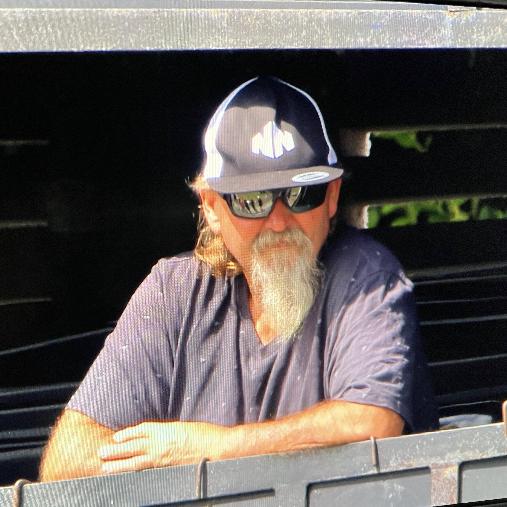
(439, 468)
(101, 26)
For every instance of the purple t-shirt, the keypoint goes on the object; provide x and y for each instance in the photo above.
(186, 349)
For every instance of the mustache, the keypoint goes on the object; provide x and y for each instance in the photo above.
(290, 237)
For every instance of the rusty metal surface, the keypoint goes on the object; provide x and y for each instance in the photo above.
(445, 482)
(439, 468)
(115, 25)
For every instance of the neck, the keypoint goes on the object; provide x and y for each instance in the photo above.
(262, 325)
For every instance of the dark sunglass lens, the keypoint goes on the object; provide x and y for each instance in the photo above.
(301, 199)
(251, 204)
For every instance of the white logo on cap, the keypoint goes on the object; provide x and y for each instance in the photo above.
(272, 142)
(310, 176)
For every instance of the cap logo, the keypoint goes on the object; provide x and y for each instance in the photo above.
(272, 142)
(310, 176)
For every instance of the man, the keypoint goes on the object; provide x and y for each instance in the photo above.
(269, 337)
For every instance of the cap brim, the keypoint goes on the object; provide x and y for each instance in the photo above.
(274, 179)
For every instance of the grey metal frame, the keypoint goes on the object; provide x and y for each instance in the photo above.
(440, 468)
(128, 25)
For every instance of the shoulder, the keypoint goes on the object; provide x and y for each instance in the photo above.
(356, 267)
(168, 281)
(181, 263)
(354, 252)
(182, 269)
(184, 279)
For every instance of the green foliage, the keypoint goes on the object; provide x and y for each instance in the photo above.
(407, 139)
(433, 211)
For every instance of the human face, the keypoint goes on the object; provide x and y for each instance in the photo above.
(239, 233)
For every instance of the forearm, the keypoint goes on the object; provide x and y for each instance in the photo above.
(154, 444)
(72, 448)
(325, 424)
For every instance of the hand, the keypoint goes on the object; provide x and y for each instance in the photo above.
(157, 444)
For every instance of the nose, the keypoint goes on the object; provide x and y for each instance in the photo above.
(280, 217)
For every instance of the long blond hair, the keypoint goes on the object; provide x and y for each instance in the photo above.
(210, 247)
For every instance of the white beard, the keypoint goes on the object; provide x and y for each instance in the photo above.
(286, 275)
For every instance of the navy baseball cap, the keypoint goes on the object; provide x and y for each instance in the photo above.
(267, 134)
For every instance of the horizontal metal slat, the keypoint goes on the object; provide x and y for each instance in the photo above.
(480, 375)
(19, 463)
(454, 244)
(14, 446)
(291, 475)
(37, 433)
(473, 308)
(36, 395)
(464, 338)
(98, 26)
(25, 418)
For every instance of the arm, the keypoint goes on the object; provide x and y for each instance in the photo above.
(155, 444)
(325, 424)
(81, 447)
(113, 392)
(72, 448)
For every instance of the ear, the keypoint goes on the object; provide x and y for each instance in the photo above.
(208, 203)
(333, 194)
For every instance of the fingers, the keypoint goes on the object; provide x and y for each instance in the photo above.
(126, 465)
(130, 433)
(123, 450)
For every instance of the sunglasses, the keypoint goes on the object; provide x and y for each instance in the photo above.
(259, 203)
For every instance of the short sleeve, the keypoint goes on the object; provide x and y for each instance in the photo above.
(373, 355)
(128, 382)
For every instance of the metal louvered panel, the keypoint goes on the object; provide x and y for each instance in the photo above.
(176, 25)
(439, 468)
